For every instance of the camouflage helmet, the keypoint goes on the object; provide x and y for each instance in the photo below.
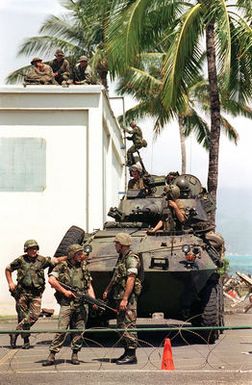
(30, 243)
(182, 183)
(123, 238)
(172, 191)
(83, 58)
(73, 249)
(35, 60)
(136, 167)
(171, 176)
(59, 52)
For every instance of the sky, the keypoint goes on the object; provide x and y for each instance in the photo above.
(20, 19)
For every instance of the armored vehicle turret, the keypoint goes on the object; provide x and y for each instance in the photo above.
(179, 261)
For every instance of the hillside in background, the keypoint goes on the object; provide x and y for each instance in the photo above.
(234, 220)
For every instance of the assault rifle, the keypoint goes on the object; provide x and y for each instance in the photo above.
(88, 299)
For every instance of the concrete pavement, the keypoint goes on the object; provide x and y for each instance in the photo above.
(229, 359)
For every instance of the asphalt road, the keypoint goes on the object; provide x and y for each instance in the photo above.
(228, 361)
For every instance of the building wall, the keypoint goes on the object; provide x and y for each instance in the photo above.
(80, 168)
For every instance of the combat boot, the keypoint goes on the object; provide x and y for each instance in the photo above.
(50, 360)
(128, 359)
(74, 358)
(13, 340)
(26, 344)
(114, 360)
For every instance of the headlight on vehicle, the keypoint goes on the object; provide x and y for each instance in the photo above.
(186, 248)
(87, 249)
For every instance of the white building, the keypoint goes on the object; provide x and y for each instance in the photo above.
(61, 164)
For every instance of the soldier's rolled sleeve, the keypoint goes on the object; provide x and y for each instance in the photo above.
(132, 265)
(14, 265)
(132, 271)
(55, 272)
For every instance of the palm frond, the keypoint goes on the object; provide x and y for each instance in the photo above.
(17, 76)
(245, 7)
(46, 45)
(229, 130)
(194, 123)
(182, 59)
(223, 35)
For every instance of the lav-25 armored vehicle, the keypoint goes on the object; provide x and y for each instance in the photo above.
(179, 267)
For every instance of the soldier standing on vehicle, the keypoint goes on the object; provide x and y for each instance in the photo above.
(138, 142)
(174, 214)
(29, 288)
(73, 312)
(124, 289)
(60, 67)
(40, 73)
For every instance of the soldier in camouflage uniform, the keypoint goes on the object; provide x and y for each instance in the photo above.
(124, 289)
(73, 312)
(136, 182)
(138, 141)
(174, 214)
(29, 288)
(40, 73)
(60, 67)
(82, 73)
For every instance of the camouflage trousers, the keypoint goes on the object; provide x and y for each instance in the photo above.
(28, 309)
(127, 320)
(73, 316)
(131, 151)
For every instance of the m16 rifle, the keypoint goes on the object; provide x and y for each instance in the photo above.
(88, 299)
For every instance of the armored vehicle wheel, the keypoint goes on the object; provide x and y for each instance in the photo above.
(210, 314)
(73, 235)
(221, 304)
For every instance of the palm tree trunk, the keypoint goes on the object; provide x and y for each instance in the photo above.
(182, 144)
(215, 116)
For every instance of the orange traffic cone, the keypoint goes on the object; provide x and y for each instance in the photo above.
(167, 360)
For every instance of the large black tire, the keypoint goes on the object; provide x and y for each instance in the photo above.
(221, 304)
(73, 235)
(210, 313)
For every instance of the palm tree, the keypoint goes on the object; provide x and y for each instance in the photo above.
(146, 87)
(80, 31)
(141, 24)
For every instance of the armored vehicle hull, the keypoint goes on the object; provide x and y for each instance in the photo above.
(179, 267)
